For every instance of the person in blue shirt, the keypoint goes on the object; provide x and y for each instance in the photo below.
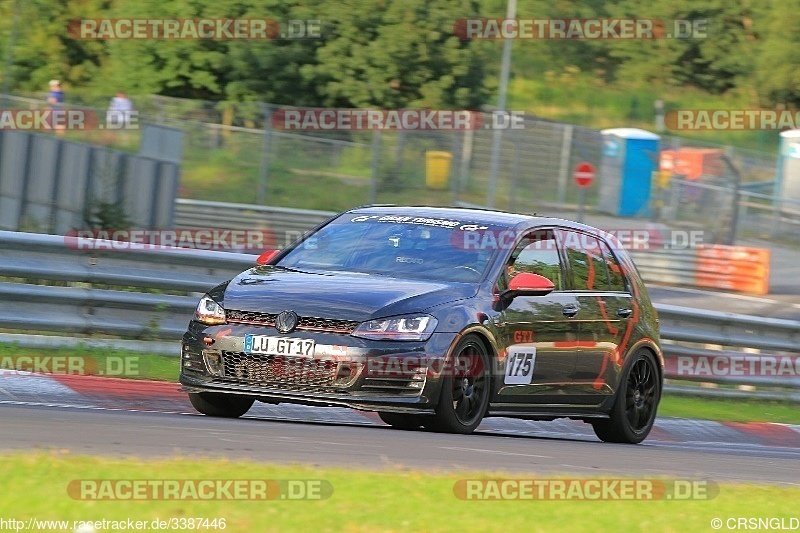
(55, 98)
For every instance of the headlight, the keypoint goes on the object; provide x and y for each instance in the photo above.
(209, 312)
(401, 328)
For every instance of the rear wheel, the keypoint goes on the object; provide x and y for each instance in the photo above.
(221, 405)
(634, 411)
(402, 420)
(465, 389)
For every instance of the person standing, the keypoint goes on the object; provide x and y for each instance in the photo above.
(119, 112)
(56, 98)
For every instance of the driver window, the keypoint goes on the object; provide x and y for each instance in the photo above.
(537, 253)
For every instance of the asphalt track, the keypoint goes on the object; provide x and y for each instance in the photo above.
(105, 416)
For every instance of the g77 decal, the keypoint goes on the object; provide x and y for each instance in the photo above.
(523, 336)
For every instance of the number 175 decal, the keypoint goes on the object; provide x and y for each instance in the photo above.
(519, 366)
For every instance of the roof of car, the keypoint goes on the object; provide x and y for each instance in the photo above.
(472, 214)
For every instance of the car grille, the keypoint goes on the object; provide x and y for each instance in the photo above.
(304, 322)
(279, 371)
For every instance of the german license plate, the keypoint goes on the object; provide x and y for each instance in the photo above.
(289, 347)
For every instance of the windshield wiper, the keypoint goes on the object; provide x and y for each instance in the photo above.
(281, 267)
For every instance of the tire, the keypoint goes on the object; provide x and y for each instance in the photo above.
(466, 385)
(402, 421)
(221, 405)
(634, 411)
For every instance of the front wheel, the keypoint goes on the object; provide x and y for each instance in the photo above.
(464, 397)
(221, 405)
(634, 411)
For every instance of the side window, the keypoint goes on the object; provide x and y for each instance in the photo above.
(616, 278)
(601, 281)
(537, 253)
(586, 261)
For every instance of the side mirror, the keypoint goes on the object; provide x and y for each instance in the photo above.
(266, 257)
(527, 284)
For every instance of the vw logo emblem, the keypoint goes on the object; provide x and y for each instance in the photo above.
(286, 321)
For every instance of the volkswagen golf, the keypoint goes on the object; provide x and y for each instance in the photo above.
(435, 318)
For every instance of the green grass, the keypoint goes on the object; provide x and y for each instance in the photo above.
(729, 410)
(92, 361)
(35, 485)
(306, 181)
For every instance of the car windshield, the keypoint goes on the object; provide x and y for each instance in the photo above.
(397, 246)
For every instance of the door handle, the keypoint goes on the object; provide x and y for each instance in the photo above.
(570, 310)
(624, 313)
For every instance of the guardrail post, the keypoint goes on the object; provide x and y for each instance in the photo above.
(563, 171)
(265, 154)
(737, 184)
(376, 163)
(514, 188)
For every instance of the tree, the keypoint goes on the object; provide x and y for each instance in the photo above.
(43, 48)
(716, 62)
(777, 53)
(400, 53)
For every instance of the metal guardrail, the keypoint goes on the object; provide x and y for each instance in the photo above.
(51, 287)
(730, 329)
(672, 267)
(733, 268)
(111, 292)
(714, 349)
(286, 224)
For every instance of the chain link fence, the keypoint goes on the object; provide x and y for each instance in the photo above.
(232, 153)
(337, 170)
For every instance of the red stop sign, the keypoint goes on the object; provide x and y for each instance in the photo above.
(583, 174)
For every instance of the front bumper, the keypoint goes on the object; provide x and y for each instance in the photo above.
(344, 370)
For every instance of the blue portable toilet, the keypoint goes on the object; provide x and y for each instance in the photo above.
(630, 156)
(787, 182)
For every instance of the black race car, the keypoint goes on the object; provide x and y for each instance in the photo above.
(435, 318)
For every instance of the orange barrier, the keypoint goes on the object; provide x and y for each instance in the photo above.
(734, 268)
(692, 162)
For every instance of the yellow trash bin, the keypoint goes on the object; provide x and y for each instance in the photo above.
(437, 169)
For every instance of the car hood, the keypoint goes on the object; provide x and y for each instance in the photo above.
(343, 296)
